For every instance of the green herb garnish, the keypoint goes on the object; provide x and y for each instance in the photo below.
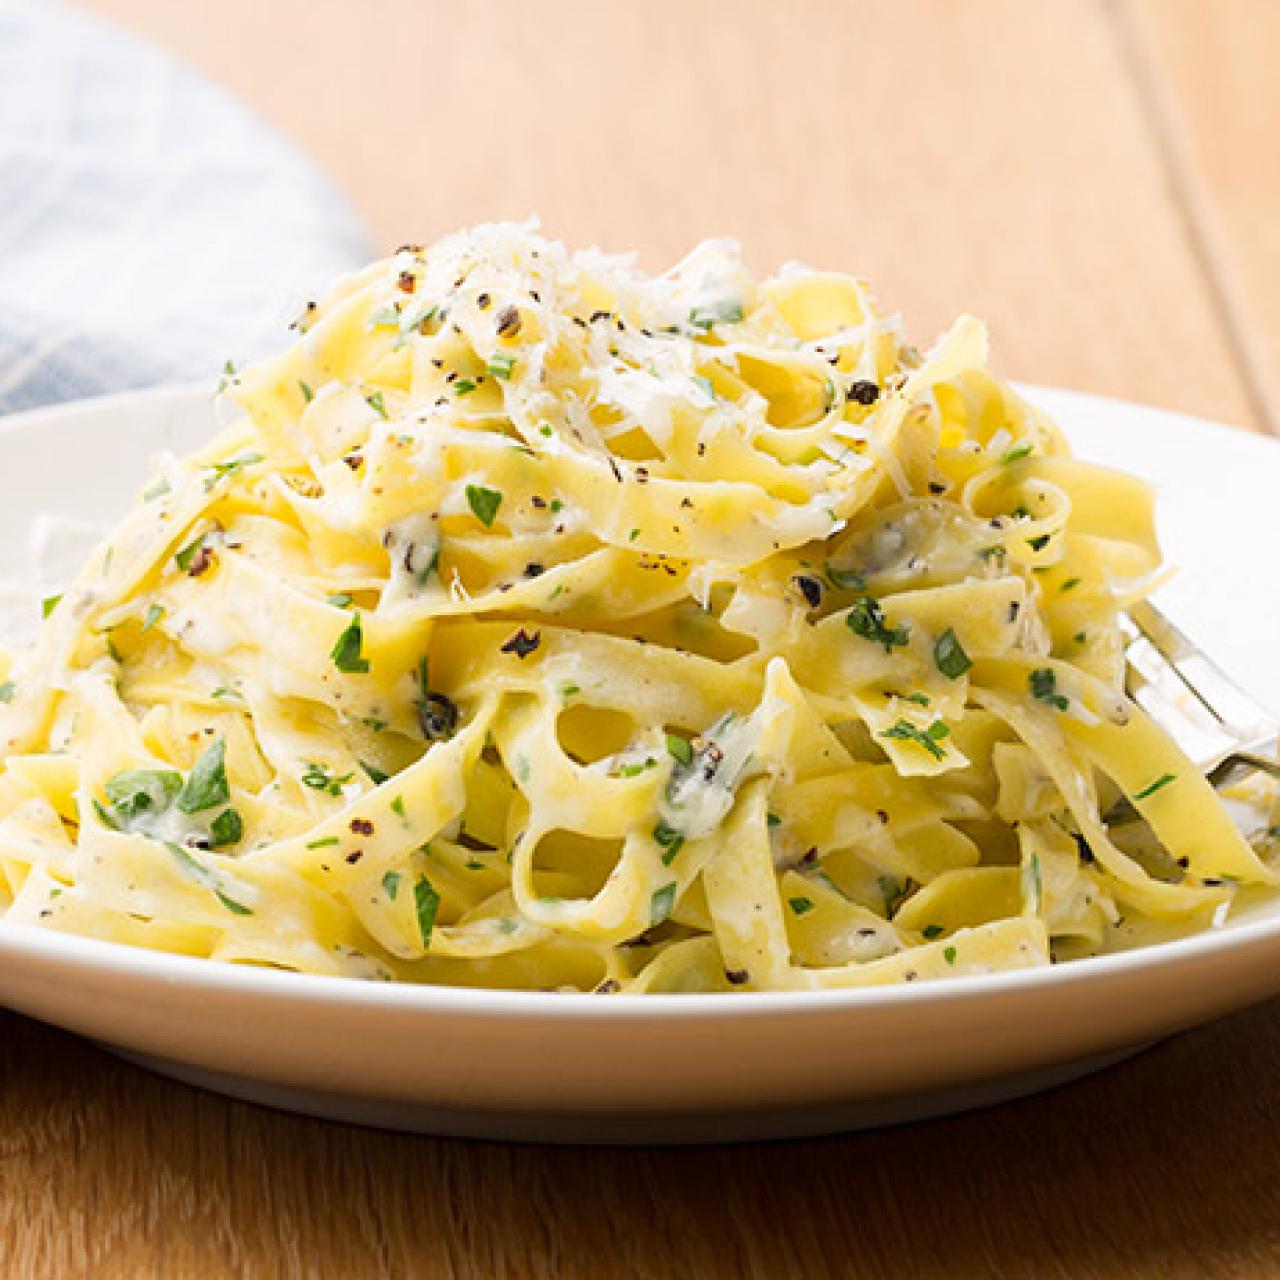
(391, 884)
(866, 619)
(680, 748)
(375, 402)
(484, 503)
(1016, 453)
(139, 793)
(318, 778)
(800, 905)
(346, 652)
(500, 366)
(1044, 686)
(661, 904)
(206, 785)
(928, 738)
(1152, 787)
(48, 605)
(670, 840)
(426, 902)
(373, 773)
(949, 655)
(463, 387)
(227, 828)
(949, 954)
(931, 931)
(7, 690)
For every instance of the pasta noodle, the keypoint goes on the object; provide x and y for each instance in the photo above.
(539, 623)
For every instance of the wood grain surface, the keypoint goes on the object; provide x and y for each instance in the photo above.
(1100, 181)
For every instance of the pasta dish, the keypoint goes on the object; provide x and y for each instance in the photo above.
(542, 623)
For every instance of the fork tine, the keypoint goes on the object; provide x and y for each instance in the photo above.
(1230, 710)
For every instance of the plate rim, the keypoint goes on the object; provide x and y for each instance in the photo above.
(127, 961)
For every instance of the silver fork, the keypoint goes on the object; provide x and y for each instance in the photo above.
(1207, 714)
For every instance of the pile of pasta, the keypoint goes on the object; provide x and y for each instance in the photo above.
(541, 623)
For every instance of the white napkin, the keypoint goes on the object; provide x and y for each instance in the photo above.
(151, 227)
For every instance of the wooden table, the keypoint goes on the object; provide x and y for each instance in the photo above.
(1101, 181)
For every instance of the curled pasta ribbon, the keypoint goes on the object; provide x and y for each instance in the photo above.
(540, 623)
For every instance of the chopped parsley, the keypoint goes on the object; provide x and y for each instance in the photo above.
(846, 579)
(680, 748)
(206, 785)
(346, 652)
(397, 806)
(1032, 874)
(220, 470)
(500, 366)
(227, 828)
(307, 394)
(866, 619)
(929, 738)
(463, 387)
(186, 559)
(800, 905)
(341, 600)
(325, 842)
(1044, 686)
(706, 318)
(391, 884)
(141, 793)
(154, 613)
(48, 605)
(195, 870)
(228, 376)
(931, 931)
(426, 903)
(949, 655)
(375, 402)
(949, 954)
(319, 778)
(484, 503)
(1152, 787)
(773, 819)
(1039, 542)
(7, 690)
(1016, 452)
(670, 840)
(635, 768)
(374, 774)
(1070, 584)
(704, 385)
(661, 904)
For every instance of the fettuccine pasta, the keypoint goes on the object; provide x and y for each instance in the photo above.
(540, 623)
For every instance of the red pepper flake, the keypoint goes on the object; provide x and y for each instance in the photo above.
(362, 826)
(483, 301)
(864, 392)
(354, 856)
(522, 644)
(407, 282)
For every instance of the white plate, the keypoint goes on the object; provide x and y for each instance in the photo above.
(692, 1068)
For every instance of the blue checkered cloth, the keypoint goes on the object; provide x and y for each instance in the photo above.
(150, 226)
